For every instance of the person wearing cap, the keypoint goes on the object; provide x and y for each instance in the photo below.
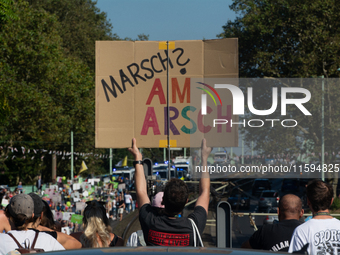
(168, 229)
(20, 212)
(65, 240)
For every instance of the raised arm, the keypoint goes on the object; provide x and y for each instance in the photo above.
(204, 186)
(140, 182)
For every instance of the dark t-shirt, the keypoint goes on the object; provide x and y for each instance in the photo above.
(160, 230)
(274, 237)
(119, 203)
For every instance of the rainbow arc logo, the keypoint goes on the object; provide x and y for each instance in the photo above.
(204, 99)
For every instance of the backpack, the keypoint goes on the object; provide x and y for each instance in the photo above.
(27, 249)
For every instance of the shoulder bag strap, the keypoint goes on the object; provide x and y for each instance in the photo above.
(35, 239)
(195, 231)
(15, 240)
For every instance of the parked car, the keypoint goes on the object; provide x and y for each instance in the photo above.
(269, 199)
(260, 185)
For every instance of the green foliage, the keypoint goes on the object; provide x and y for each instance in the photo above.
(46, 94)
(286, 38)
(290, 39)
(81, 24)
(6, 11)
(336, 204)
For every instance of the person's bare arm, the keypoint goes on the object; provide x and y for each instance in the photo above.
(4, 222)
(204, 186)
(140, 182)
(69, 242)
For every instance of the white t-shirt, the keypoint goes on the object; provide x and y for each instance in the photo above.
(322, 235)
(128, 199)
(44, 241)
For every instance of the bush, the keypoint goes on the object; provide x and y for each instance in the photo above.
(336, 204)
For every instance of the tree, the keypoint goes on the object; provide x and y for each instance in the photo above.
(6, 11)
(286, 38)
(48, 95)
(82, 24)
(290, 39)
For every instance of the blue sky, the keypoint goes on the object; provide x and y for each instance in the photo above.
(168, 20)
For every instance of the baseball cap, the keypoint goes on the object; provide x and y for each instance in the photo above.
(38, 204)
(21, 204)
(157, 200)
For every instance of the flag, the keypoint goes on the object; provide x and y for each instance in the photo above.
(119, 163)
(83, 167)
(122, 162)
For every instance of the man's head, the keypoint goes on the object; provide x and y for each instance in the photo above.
(290, 207)
(319, 195)
(175, 196)
(20, 210)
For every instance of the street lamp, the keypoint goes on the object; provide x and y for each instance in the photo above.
(323, 129)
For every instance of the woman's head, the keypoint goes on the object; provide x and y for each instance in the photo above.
(47, 217)
(96, 225)
(96, 209)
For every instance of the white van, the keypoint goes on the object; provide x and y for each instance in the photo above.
(126, 171)
(162, 170)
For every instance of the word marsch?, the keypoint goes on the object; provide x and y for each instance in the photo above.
(145, 70)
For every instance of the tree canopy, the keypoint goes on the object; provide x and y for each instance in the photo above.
(290, 39)
(47, 90)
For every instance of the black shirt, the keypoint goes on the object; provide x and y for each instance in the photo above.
(159, 229)
(274, 237)
(119, 203)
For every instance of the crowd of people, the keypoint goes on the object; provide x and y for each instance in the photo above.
(31, 216)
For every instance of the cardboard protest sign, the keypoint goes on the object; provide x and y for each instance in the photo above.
(66, 230)
(76, 218)
(86, 187)
(76, 186)
(67, 215)
(131, 92)
(80, 206)
(76, 196)
(54, 187)
(58, 215)
(49, 191)
(56, 197)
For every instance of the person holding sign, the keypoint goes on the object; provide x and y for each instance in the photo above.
(167, 229)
